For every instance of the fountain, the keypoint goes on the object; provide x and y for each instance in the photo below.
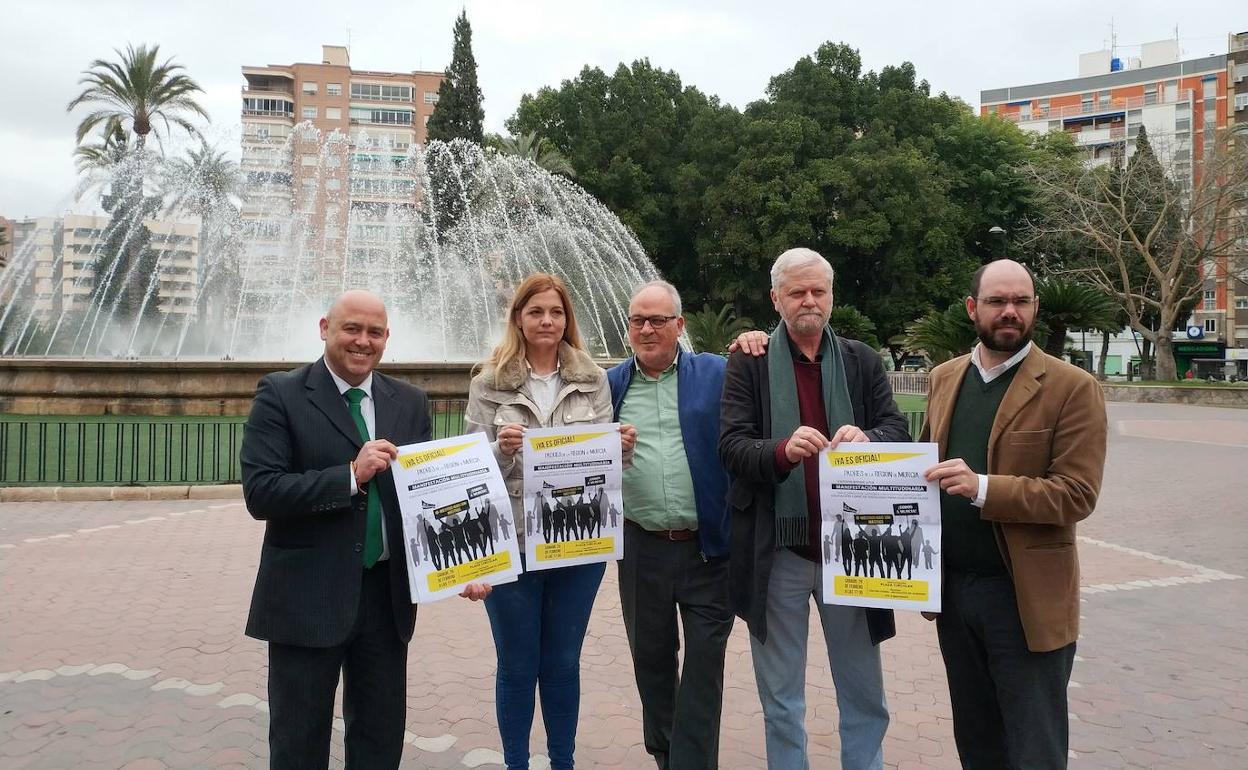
(442, 233)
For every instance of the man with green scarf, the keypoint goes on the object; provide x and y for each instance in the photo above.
(779, 411)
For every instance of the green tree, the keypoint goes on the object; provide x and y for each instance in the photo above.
(711, 331)
(534, 148)
(459, 114)
(852, 324)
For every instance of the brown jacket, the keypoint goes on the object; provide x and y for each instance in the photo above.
(1046, 456)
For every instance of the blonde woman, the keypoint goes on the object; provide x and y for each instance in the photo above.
(538, 376)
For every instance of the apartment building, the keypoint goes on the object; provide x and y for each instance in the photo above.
(324, 148)
(64, 250)
(1183, 105)
(1237, 117)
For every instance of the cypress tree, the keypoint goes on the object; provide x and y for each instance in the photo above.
(459, 114)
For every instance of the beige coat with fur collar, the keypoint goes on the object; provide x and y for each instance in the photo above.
(500, 397)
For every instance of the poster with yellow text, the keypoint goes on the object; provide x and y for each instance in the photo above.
(573, 511)
(880, 539)
(456, 517)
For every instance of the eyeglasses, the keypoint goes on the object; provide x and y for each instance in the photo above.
(655, 321)
(999, 303)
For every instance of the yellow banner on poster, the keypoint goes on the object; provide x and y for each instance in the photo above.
(596, 546)
(412, 459)
(546, 443)
(882, 588)
(843, 459)
(466, 573)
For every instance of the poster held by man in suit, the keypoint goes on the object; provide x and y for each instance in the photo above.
(447, 490)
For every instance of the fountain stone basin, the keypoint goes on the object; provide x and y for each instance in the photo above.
(159, 387)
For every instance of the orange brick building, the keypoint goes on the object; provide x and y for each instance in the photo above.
(1183, 105)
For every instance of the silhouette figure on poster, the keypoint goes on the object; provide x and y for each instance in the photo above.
(614, 515)
(827, 550)
(461, 542)
(845, 539)
(431, 537)
(861, 549)
(558, 520)
(927, 553)
(504, 524)
(415, 552)
(875, 551)
(446, 542)
(890, 544)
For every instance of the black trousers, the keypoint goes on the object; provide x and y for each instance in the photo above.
(1009, 704)
(680, 710)
(373, 663)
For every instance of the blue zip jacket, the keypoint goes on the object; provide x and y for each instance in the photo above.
(700, 384)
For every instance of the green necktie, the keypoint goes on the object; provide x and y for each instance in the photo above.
(372, 530)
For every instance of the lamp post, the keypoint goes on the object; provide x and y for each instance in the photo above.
(998, 235)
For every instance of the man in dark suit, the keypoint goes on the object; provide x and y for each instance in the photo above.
(779, 412)
(331, 594)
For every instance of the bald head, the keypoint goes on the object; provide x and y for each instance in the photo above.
(1002, 270)
(356, 300)
(355, 331)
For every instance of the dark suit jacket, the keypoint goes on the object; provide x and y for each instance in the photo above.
(296, 449)
(749, 452)
(1046, 456)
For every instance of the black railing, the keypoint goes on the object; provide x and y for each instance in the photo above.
(117, 451)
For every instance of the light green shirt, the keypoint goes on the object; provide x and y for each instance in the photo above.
(658, 489)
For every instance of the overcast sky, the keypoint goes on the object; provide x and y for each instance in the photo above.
(725, 47)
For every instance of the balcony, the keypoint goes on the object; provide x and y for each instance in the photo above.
(1093, 136)
(1096, 108)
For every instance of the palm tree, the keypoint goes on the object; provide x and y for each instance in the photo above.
(104, 155)
(1068, 304)
(135, 93)
(203, 179)
(941, 335)
(712, 332)
(536, 148)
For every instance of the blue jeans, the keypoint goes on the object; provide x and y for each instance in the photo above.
(780, 670)
(539, 624)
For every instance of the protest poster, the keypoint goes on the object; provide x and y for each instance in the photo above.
(880, 539)
(573, 511)
(456, 517)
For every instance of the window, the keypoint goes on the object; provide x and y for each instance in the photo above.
(1044, 108)
(431, 97)
(1211, 300)
(384, 117)
(1241, 303)
(333, 161)
(378, 92)
(1211, 324)
(1104, 101)
(1150, 93)
(333, 113)
(1209, 87)
(1024, 111)
(308, 160)
(309, 88)
(1172, 91)
(256, 106)
(308, 113)
(1085, 102)
(333, 184)
(333, 89)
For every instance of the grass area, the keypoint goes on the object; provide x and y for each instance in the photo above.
(1178, 383)
(910, 403)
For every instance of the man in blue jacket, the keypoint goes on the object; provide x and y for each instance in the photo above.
(676, 531)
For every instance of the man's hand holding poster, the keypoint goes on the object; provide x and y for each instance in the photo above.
(456, 517)
(573, 510)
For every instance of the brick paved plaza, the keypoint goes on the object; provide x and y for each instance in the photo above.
(121, 638)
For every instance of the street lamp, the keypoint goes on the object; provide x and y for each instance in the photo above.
(998, 234)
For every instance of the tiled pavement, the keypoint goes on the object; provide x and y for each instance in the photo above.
(121, 643)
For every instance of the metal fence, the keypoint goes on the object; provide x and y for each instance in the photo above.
(910, 383)
(123, 451)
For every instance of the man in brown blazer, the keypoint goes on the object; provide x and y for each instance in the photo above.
(1023, 437)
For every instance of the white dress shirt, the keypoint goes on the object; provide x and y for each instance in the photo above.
(369, 409)
(988, 375)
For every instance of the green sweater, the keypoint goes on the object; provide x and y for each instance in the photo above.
(968, 542)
